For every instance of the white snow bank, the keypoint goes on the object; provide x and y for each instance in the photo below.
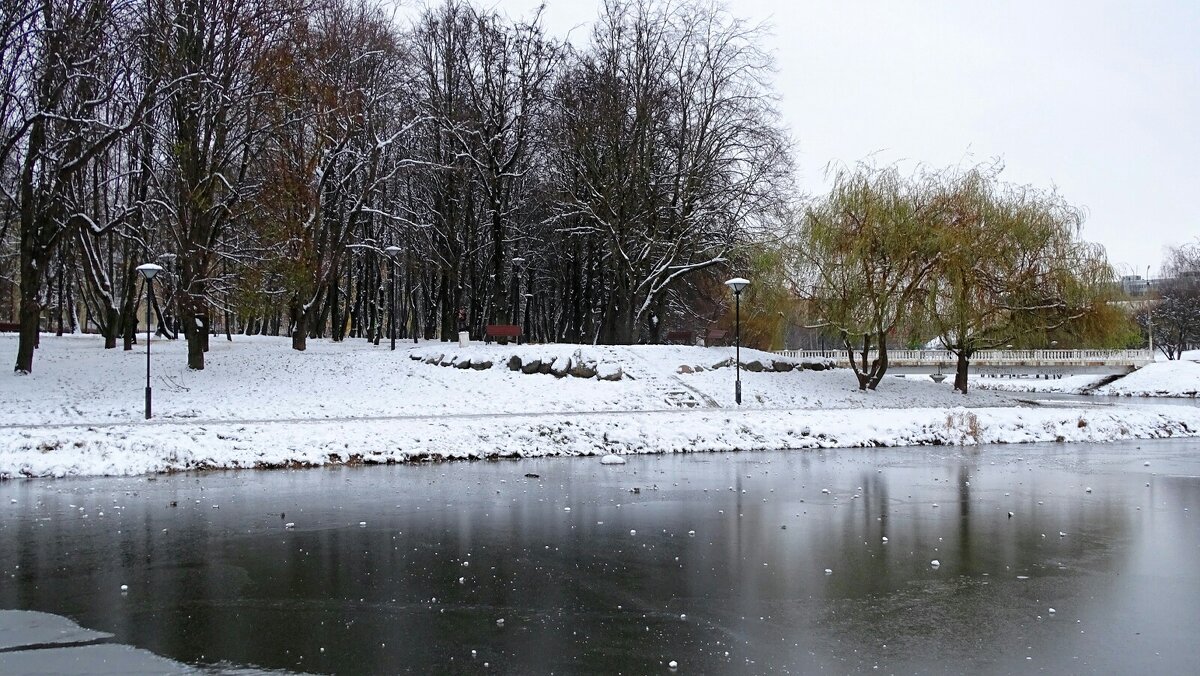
(1160, 379)
(1075, 384)
(138, 448)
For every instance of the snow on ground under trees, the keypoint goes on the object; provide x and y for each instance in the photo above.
(260, 404)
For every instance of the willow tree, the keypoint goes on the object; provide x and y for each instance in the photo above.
(1011, 265)
(866, 250)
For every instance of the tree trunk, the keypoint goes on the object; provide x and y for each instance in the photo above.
(196, 332)
(336, 323)
(61, 306)
(879, 367)
(30, 313)
(299, 328)
(128, 332)
(960, 371)
(112, 324)
(860, 372)
(299, 333)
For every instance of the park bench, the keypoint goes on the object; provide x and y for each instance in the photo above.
(9, 327)
(681, 337)
(502, 331)
(716, 337)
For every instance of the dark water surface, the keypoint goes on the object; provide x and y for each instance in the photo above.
(447, 551)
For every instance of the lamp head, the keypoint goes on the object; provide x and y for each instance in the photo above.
(392, 251)
(149, 270)
(737, 284)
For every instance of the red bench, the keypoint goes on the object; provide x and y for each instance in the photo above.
(6, 327)
(716, 337)
(502, 331)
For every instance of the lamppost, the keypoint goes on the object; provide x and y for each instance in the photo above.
(516, 289)
(525, 321)
(392, 252)
(1149, 316)
(148, 270)
(737, 284)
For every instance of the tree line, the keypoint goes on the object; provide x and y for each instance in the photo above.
(290, 162)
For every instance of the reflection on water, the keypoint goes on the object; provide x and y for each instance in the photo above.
(717, 561)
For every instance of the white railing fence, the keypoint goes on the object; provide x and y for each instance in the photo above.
(999, 357)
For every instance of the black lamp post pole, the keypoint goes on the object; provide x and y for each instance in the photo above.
(392, 305)
(148, 302)
(737, 388)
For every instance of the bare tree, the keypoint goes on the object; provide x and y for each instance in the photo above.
(1175, 320)
(508, 68)
(338, 126)
(214, 126)
(64, 76)
(668, 151)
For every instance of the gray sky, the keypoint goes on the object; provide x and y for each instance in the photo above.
(1097, 97)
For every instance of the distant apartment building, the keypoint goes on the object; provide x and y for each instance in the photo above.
(1136, 285)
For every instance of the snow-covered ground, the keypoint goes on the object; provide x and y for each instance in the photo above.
(260, 404)
(1075, 384)
(76, 381)
(1180, 378)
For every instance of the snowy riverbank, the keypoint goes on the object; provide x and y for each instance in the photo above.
(260, 404)
(1174, 379)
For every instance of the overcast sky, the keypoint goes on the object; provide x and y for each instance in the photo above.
(1099, 98)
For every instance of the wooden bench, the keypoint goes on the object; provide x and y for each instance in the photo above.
(716, 337)
(502, 331)
(9, 327)
(681, 337)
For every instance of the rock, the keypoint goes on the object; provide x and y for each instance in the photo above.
(754, 366)
(782, 366)
(583, 371)
(685, 369)
(813, 366)
(700, 369)
(481, 365)
(531, 366)
(544, 369)
(514, 363)
(610, 372)
(433, 359)
(560, 368)
(415, 357)
(464, 364)
(722, 364)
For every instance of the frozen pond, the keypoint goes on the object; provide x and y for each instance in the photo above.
(724, 563)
